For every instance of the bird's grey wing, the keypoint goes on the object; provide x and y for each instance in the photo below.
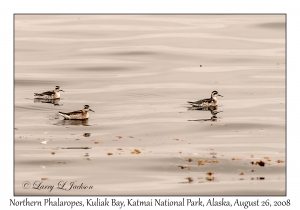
(72, 113)
(201, 101)
(49, 93)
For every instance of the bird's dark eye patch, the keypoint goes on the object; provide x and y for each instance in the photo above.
(215, 92)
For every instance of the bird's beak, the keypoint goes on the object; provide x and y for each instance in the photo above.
(62, 90)
(92, 110)
(220, 95)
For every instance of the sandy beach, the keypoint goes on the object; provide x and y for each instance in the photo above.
(137, 73)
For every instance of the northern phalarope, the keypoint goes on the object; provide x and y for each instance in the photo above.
(212, 101)
(52, 94)
(77, 115)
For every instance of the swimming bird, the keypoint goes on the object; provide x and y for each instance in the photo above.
(77, 115)
(212, 101)
(52, 94)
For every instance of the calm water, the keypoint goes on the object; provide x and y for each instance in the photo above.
(137, 73)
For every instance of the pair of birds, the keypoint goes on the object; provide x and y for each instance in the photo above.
(75, 115)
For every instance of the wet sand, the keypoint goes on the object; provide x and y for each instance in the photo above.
(137, 72)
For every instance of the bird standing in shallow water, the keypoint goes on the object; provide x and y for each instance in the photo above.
(77, 115)
(52, 94)
(212, 101)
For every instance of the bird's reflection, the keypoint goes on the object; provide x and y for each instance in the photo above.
(55, 102)
(213, 118)
(213, 110)
(84, 122)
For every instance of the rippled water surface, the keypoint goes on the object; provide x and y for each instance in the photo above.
(137, 73)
